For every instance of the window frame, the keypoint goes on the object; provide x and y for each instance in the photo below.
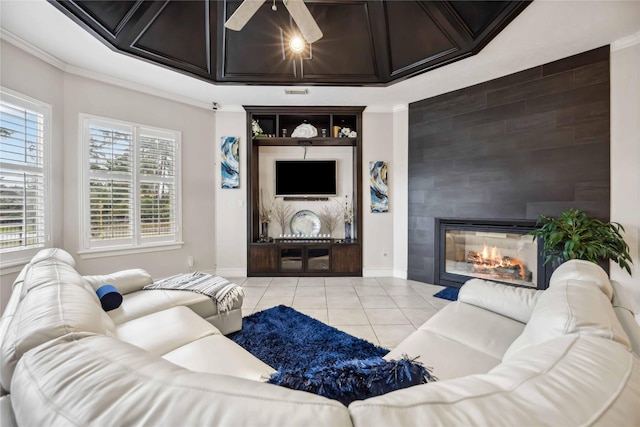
(13, 257)
(137, 243)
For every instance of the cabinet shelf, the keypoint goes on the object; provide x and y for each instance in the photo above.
(300, 258)
(315, 141)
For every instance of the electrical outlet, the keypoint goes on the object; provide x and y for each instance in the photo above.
(190, 261)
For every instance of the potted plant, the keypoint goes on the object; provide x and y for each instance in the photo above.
(573, 235)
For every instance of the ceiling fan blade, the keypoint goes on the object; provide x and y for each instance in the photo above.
(304, 20)
(242, 14)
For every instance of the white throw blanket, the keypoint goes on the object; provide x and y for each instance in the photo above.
(220, 290)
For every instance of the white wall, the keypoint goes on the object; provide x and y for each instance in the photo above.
(30, 76)
(231, 204)
(625, 158)
(400, 191)
(378, 141)
(197, 125)
(70, 95)
(378, 134)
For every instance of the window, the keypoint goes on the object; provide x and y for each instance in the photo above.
(24, 136)
(131, 186)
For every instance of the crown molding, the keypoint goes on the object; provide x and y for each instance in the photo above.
(626, 42)
(32, 50)
(94, 75)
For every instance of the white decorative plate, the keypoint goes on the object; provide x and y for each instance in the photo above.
(305, 222)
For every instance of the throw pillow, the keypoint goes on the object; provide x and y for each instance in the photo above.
(110, 297)
(351, 380)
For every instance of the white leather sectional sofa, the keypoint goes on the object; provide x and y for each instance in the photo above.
(566, 356)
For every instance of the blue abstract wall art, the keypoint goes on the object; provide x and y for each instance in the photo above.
(230, 162)
(378, 186)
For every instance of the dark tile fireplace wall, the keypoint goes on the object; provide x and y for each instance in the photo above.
(535, 142)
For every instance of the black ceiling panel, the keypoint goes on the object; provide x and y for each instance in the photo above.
(424, 43)
(179, 33)
(365, 42)
(477, 15)
(336, 56)
(111, 15)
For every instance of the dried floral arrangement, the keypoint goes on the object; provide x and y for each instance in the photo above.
(264, 207)
(347, 210)
(282, 212)
(331, 216)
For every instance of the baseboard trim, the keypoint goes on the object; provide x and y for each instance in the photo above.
(231, 272)
(380, 272)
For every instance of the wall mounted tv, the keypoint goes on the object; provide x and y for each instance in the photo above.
(303, 178)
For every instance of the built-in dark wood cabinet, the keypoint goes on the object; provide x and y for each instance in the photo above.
(345, 258)
(263, 258)
(303, 257)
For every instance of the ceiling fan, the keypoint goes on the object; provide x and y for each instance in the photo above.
(297, 9)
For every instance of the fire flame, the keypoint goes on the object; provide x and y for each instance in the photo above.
(491, 258)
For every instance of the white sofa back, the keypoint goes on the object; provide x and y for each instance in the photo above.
(107, 382)
(578, 301)
(53, 301)
(572, 365)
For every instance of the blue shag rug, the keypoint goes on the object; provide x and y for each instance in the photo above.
(449, 293)
(311, 356)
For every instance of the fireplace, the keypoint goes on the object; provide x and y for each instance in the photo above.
(490, 249)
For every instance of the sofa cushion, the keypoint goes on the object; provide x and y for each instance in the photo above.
(568, 381)
(100, 380)
(570, 307)
(165, 330)
(57, 304)
(50, 272)
(125, 280)
(216, 354)
(460, 340)
(577, 269)
(624, 312)
(46, 313)
(510, 301)
(53, 253)
(7, 419)
(141, 303)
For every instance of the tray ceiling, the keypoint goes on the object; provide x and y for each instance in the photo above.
(365, 43)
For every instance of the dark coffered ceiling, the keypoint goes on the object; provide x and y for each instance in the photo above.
(365, 43)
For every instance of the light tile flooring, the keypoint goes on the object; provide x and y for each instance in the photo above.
(381, 310)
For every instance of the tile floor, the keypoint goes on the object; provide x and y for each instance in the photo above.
(380, 310)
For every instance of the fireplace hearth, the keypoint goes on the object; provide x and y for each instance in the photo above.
(492, 249)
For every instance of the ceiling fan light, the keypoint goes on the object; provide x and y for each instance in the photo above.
(296, 44)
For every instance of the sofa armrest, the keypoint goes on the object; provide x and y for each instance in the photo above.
(126, 281)
(509, 301)
(624, 313)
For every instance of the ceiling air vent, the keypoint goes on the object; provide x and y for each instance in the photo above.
(296, 91)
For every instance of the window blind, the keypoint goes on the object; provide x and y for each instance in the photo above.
(157, 185)
(110, 183)
(132, 196)
(22, 175)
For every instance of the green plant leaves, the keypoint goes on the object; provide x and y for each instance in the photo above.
(574, 235)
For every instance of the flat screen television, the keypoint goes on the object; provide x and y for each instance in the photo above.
(303, 178)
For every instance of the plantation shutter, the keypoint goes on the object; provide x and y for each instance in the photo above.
(111, 210)
(157, 184)
(131, 186)
(22, 175)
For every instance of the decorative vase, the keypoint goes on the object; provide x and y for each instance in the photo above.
(347, 231)
(265, 230)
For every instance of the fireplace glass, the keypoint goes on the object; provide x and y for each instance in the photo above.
(502, 257)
